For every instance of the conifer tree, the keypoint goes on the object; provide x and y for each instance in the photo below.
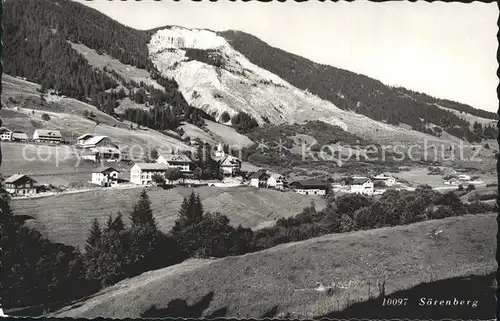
(142, 214)
(94, 236)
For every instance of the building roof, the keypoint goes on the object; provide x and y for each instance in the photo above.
(95, 140)
(103, 150)
(16, 177)
(176, 158)
(229, 160)
(152, 166)
(104, 169)
(84, 136)
(48, 132)
(359, 180)
(20, 134)
(260, 174)
(310, 184)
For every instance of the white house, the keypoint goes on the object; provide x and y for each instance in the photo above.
(259, 179)
(463, 177)
(230, 165)
(20, 184)
(362, 185)
(47, 136)
(80, 140)
(18, 136)
(310, 187)
(109, 154)
(180, 161)
(105, 176)
(388, 180)
(98, 141)
(142, 173)
(276, 181)
(6, 134)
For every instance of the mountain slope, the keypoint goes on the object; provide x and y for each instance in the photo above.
(216, 78)
(283, 278)
(352, 91)
(84, 54)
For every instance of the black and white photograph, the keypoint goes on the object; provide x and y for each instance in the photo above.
(249, 159)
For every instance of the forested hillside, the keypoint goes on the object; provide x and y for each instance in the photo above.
(37, 46)
(362, 94)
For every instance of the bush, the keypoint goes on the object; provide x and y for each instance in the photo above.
(470, 187)
(460, 188)
(45, 117)
(347, 224)
(225, 117)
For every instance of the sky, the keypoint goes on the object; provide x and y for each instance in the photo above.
(447, 50)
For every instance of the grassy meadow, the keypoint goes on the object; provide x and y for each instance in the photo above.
(282, 279)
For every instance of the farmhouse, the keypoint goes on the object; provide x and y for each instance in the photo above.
(362, 185)
(259, 179)
(20, 184)
(18, 136)
(463, 177)
(6, 134)
(99, 141)
(105, 176)
(47, 136)
(180, 161)
(142, 173)
(230, 165)
(109, 154)
(310, 187)
(276, 181)
(80, 140)
(387, 180)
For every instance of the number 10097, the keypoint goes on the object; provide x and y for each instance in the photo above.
(394, 302)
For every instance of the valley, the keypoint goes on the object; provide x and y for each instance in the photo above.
(190, 172)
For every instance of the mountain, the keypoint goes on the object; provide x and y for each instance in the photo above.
(349, 90)
(160, 77)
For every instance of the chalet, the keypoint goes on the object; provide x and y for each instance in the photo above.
(105, 176)
(109, 154)
(142, 173)
(80, 140)
(276, 181)
(259, 179)
(18, 136)
(180, 161)
(361, 185)
(20, 184)
(463, 177)
(47, 136)
(98, 141)
(310, 187)
(6, 134)
(387, 180)
(230, 165)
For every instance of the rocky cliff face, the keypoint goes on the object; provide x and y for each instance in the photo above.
(216, 78)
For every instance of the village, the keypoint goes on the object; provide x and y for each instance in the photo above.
(174, 169)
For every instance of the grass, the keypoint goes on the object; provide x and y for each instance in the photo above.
(66, 218)
(283, 277)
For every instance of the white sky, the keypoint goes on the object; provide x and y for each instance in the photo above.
(447, 50)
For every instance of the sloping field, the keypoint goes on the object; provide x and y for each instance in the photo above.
(227, 134)
(283, 277)
(66, 218)
(470, 118)
(127, 72)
